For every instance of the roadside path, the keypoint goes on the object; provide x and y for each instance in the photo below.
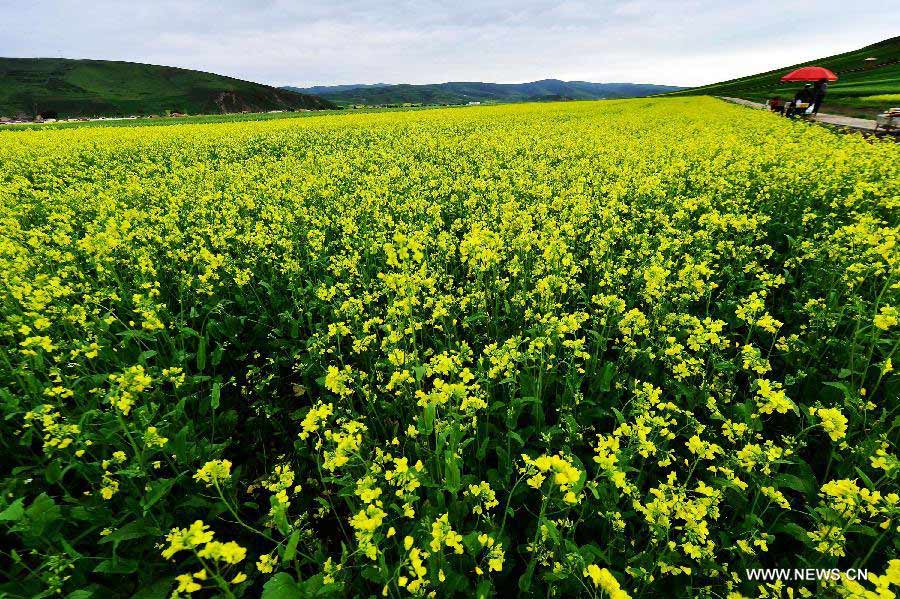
(829, 119)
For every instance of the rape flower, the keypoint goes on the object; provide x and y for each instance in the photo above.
(330, 570)
(179, 539)
(314, 417)
(561, 471)
(230, 552)
(660, 306)
(443, 534)
(486, 496)
(212, 472)
(336, 380)
(772, 398)
(127, 386)
(153, 438)
(887, 317)
(603, 579)
(833, 422)
(186, 584)
(265, 563)
(110, 487)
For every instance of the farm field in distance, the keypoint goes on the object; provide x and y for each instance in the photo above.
(626, 348)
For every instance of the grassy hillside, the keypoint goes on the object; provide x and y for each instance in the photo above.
(463, 92)
(864, 86)
(105, 88)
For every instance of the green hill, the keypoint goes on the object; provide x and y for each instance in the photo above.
(69, 88)
(864, 86)
(464, 92)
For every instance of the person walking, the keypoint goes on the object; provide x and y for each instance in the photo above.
(819, 94)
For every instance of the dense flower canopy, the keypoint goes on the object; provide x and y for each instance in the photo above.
(604, 349)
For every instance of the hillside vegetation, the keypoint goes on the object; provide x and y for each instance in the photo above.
(464, 92)
(586, 349)
(31, 86)
(864, 86)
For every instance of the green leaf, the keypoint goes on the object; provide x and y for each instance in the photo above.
(525, 579)
(606, 376)
(551, 529)
(470, 542)
(863, 530)
(201, 354)
(157, 490)
(13, 512)
(41, 513)
(451, 472)
(427, 422)
(120, 566)
(865, 479)
(291, 549)
(53, 472)
(315, 586)
(71, 551)
(157, 590)
(216, 394)
(280, 516)
(281, 586)
(844, 388)
(484, 589)
(792, 529)
(217, 355)
(482, 450)
(132, 530)
(794, 482)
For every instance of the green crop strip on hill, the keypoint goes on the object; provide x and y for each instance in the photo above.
(600, 349)
(865, 77)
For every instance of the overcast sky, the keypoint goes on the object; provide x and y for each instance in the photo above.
(310, 42)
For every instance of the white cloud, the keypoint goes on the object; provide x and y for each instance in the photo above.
(320, 42)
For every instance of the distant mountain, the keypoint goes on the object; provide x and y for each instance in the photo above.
(868, 81)
(69, 87)
(464, 92)
(328, 89)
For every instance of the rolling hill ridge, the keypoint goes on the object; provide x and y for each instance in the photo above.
(74, 87)
(464, 92)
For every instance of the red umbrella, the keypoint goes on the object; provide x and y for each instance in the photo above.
(810, 74)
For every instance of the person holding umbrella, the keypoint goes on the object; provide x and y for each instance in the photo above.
(819, 90)
(801, 101)
(809, 95)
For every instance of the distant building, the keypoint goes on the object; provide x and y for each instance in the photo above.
(473, 103)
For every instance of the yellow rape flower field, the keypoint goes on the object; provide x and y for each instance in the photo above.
(601, 349)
